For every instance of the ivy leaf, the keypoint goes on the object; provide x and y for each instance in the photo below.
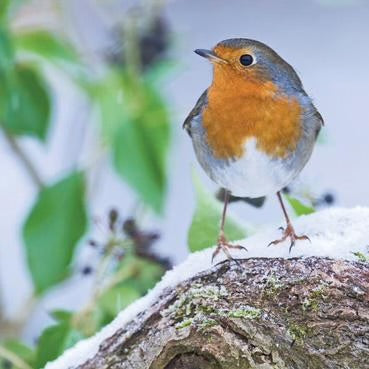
(54, 341)
(26, 106)
(53, 228)
(135, 123)
(204, 229)
(298, 207)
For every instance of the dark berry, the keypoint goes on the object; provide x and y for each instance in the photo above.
(286, 190)
(87, 270)
(92, 243)
(154, 42)
(113, 217)
(130, 228)
(328, 198)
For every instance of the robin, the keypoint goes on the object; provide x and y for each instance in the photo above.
(254, 128)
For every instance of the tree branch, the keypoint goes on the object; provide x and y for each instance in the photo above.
(271, 313)
(24, 159)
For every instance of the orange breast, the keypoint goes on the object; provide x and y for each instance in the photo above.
(239, 109)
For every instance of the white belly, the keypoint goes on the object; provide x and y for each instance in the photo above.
(254, 175)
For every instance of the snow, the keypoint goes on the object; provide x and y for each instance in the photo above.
(335, 233)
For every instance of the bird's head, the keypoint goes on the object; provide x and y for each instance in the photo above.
(241, 59)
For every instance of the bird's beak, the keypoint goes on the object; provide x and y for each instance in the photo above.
(210, 55)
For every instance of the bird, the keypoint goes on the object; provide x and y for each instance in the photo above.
(254, 128)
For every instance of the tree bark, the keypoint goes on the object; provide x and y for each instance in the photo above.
(263, 313)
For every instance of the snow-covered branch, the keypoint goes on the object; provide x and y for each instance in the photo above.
(309, 309)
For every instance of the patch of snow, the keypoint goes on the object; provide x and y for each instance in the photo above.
(335, 233)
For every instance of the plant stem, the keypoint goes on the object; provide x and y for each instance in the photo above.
(24, 159)
(13, 328)
(13, 358)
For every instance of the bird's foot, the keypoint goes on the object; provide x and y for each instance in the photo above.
(225, 246)
(289, 232)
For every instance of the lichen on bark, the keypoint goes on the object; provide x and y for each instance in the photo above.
(269, 313)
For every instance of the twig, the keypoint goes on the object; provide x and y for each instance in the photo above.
(13, 328)
(23, 157)
(13, 358)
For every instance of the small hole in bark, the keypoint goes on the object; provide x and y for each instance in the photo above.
(192, 361)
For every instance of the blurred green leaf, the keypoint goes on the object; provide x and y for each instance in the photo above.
(137, 276)
(25, 103)
(46, 45)
(109, 98)
(53, 228)
(141, 273)
(150, 274)
(135, 123)
(204, 229)
(6, 51)
(298, 207)
(54, 341)
(157, 72)
(4, 8)
(61, 315)
(7, 7)
(117, 298)
(53, 49)
(91, 320)
(22, 351)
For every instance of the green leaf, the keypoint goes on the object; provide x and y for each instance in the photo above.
(117, 298)
(54, 341)
(6, 51)
(53, 49)
(204, 229)
(298, 207)
(156, 73)
(4, 8)
(137, 276)
(25, 107)
(7, 8)
(53, 228)
(135, 123)
(141, 273)
(46, 45)
(62, 315)
(22, 351)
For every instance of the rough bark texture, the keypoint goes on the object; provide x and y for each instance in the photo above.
(271, 313)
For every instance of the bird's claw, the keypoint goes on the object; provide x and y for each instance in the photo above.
(224, 245)
(289, 232)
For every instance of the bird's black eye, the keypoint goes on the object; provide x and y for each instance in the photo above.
(246, 60)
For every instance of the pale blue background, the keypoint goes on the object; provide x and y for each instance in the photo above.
(328, 46)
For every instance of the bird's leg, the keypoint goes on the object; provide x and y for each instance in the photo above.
(223, 244)
(289, 231)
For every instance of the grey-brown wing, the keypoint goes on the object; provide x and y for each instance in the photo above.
(201, 102)
(319, 117)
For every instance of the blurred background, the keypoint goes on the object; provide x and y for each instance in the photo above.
(100, 184)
